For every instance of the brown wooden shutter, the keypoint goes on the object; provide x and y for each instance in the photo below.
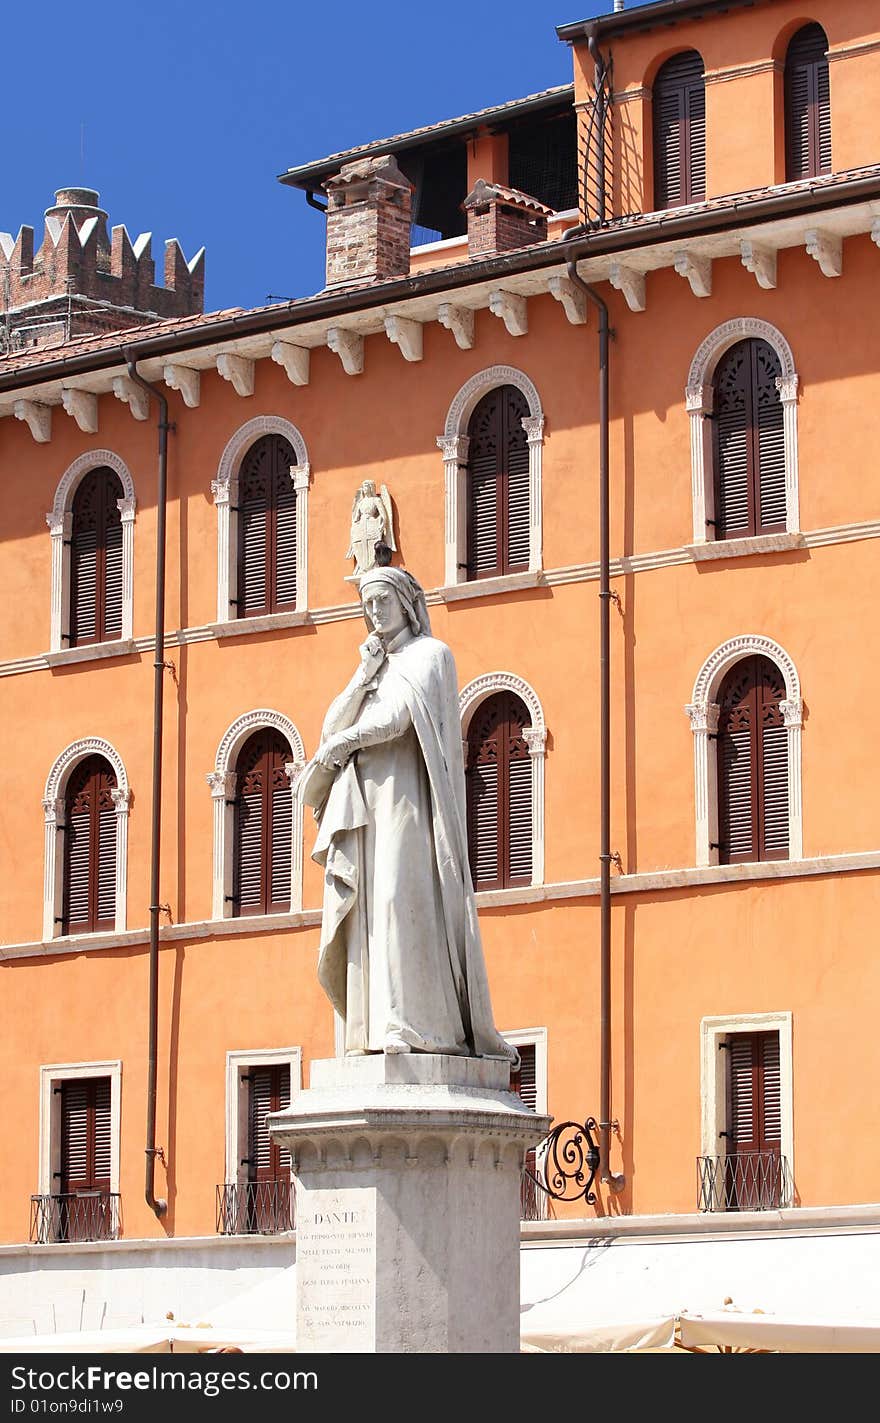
(266, 529)
(754, 1121)
(269, 1092)
(679, 104)
(807, 105)
(749, 442)
(752, 764)
(90, 849)
(524, 1081)
(96, 559)
(499, 794)
(263, 826)
(498, 485)
(85, 1158)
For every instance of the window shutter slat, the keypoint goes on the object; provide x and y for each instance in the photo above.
(252, 558)
(484, 825)
(742, 1093)
(113, 592)
(752, 763)
(750, 494)
(807, 105)
(775, 786)
(733, 474)
(736, 804)
(524, 1082)
(74, 1135)
(498, 485)
(96, 558)
(282, 833)
(285, 543)
(696, 110)
(84, 579)
(519, 819)
(517, 491)
(78, 862)
(250, 847)
(107, 866)
(269, 1091)
(772, 1089)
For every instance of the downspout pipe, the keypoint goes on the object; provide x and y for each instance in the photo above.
(159, 1206)
(606, 1176)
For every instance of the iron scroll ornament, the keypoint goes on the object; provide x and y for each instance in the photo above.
(570, 1160)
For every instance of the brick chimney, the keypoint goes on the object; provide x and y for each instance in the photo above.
(499, 219)
(369, 212)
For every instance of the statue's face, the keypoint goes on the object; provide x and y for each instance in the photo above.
(368, 487)
(384, 610)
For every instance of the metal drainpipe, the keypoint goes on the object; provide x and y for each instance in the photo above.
(160, 1206)
(607, 1177)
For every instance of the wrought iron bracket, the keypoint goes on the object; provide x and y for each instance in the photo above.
(570, 1160)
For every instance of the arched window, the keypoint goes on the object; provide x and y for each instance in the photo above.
(807, 105)
(753, 801)
(89, 897)
(749, 431)
(679, 131)
(96, 559)
(499, 794)
(498, 485)
(263, 826)
(267, 528)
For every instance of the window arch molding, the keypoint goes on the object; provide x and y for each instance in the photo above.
(60, 521)
(55, 818)
(703, 712)
(698, 400)
(477, 692)
(225, 491)
(222, 781)
(454, 445)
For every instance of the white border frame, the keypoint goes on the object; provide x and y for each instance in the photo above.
(51, 1075)
(699, 403)
(713, 1106)
(54, 814)
(703, 712)
(238, 1062)
(222, 782)
(60, 521)
(225, 491)
(454, 445)
(470, 698)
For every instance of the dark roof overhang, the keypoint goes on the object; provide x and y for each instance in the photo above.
(647, 17)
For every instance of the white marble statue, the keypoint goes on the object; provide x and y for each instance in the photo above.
(400, 957)
(371, 523)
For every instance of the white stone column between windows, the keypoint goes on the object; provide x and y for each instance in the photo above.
(126, 509)
(704, 723)
(60, 530)
(455, 454)
(54, 813)
(301, 476)
(534, 428)
(793, 719)
(293, 770)
(698, 402)
(226, 499)
(121, 800)
(788, 392)
(536, 740)
(222, 785)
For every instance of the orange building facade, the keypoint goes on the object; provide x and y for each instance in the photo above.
(744, 829)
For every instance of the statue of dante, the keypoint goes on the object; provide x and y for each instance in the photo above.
(401, 957)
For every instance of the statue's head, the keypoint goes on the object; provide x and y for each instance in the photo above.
(391, 599)
(368, 486)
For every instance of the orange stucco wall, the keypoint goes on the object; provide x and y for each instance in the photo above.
(798, 945)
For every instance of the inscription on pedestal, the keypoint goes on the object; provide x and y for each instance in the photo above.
(336, 1270)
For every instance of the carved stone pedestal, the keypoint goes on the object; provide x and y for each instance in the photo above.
(408, 1172)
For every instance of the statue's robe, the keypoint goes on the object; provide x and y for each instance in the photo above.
(400, 956)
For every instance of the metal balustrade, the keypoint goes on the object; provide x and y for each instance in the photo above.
(255, 1208)
(743, 1181)
(75, 1215)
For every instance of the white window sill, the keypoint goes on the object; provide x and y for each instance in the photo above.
(741, 548)
(269, 622)
(91, 652)
(487, 587)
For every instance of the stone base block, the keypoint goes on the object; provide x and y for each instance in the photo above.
(408, 1171)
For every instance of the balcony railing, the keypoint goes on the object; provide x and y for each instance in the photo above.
(76, 1215)
(255, 1208)
(743, 1181)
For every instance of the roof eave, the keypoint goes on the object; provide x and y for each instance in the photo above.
(645, 17)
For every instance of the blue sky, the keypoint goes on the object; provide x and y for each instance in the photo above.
(182, 114)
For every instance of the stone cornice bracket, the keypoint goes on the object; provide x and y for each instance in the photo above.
(186, 380)
(875, 231)
(827, 250)
(238, 370)
(460, 321)
(349, 347)
(38, 419)
(406, 334)
(761, 262)
(511, 309)
(132, 395)
(83, 406)
(574, 303)
(293, 359)
(631, 283)
(698, 271)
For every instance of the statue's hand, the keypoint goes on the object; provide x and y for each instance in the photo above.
(372, 656)
(334, 752)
